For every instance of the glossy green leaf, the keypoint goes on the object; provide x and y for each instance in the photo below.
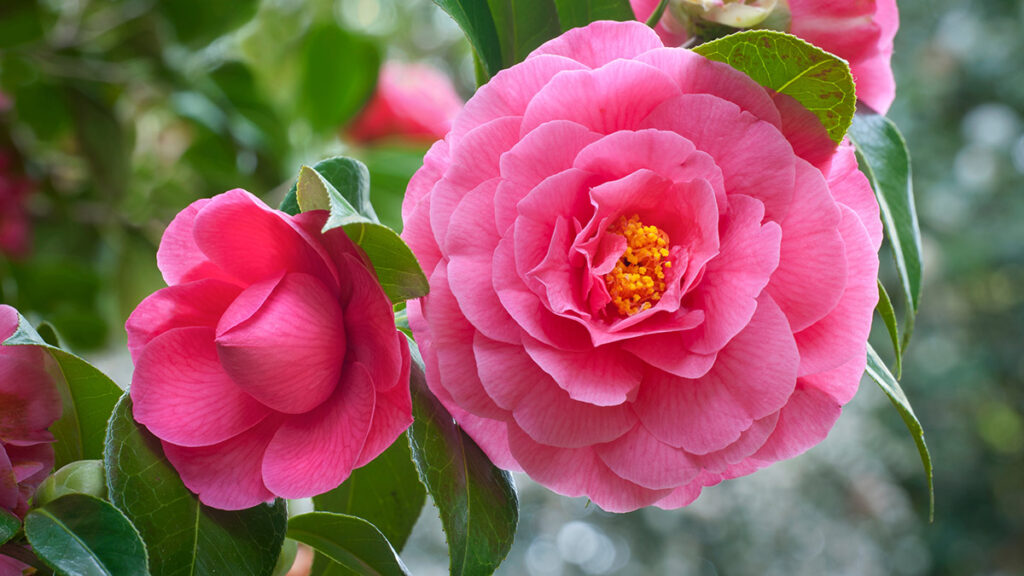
(888, 314)
(197, 22)
(476, 21)
(9, 526)
(183, 536)
(577, 13)
(522, 26)
(343, 185)
(477, 501)
(79, 535)
(819, 81)
(81, 477)
(339, 74)
(352, 542)
(880, 374)
(88, 397)
(883, 157)
(387, 492)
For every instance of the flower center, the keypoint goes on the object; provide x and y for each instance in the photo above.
(638, 279)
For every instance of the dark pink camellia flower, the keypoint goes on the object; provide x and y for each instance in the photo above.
(646, 275)
(29, 404)
(15, 230)
(270, 365)
(859, 31)
(412, 102)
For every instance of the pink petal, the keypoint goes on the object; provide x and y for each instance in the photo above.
(289, 352)
(315, 452)
(473, 161)
(850, 187)
(29, 401)
(697, 75)
(681, 496)
(578, 472)
(733, 280)
(370, 324)
(199, 303)
(641, 458)
(603, 376)
(756, 160)
(423, 181)
(601, 42)
(804, 422)
(227, 475)
(506, 372)
(619, 96)
(669, 352)
(840, 336)
(261, 244)
(8, 322)
(508, 93)
(840, 383)
(805, 132)
(179, 258)
(753, 376)
(416, 232)
(750, 441)
(668, 29)
(9, 492)
(392, 413)
(812, 261)
(183, 395)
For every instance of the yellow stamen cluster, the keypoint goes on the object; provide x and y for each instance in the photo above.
(638, 279)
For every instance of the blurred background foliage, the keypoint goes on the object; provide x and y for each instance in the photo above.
(119, 113)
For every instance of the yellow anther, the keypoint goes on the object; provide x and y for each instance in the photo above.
(638, 279)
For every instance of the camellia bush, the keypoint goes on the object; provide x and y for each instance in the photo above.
(642, 259)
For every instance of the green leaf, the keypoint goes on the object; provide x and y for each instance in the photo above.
(9, 526)
(197, 22)
(79, 535)
(343, 184)
(888, 314)
(352, 542)
(183, 536)
(883, 157)
(476, 500)
(102, 139)
(819, 81)
(880, 374)
(386, 492)
(87, 394)
(339, 74)
(476, 21)
(577, 13)
(522, 26)
(398, 271)
(81, 477)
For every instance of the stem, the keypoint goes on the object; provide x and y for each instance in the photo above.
(25, 556)
(658, 12)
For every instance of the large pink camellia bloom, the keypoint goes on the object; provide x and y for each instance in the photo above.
(29, 404)
(859, 31)
(646, 276)
(413, 101)
(270, 365)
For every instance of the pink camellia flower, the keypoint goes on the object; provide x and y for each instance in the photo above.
(29, 404)
(270, 365)
(646, 275)
(412, 102)
(15, 231)
(859, 31)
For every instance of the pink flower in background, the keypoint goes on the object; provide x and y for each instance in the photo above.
(270, 365)
(413, 101)
(859, 31)
(29, 404)
(15, 229)
(646, 275)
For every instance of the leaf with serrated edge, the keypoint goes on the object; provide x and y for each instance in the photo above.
(880, 374)
(398, 271)
(85, 536)
(888, 314)
(87, 394)
(577, 13)
(476, 500)
(883, 157)
(819, 81)
(183, 536)
(350, 541)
